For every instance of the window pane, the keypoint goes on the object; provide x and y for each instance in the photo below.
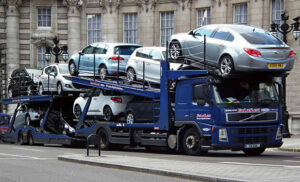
(167, 24)
(240, 13)
(44, 17)
(130, 28)
(94, 28)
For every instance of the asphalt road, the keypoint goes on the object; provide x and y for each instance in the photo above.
(39, 163)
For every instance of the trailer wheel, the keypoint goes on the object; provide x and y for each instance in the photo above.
(21, 139)
(254, 152)
(30, 139)
(192, 142)
(108, 114)
(104, 139)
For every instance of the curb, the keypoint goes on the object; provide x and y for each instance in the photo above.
(290, 149)
(151, 171)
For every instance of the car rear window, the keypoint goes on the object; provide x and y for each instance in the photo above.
(256, 35)
(260, 38)
(125, 50)
(35, 72)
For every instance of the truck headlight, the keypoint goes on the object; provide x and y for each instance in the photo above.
(279, 133)
(223, 135)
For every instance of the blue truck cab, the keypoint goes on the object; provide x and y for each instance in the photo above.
(242, 113)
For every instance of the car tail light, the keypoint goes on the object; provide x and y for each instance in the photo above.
(252, 52)
(115, 58)
(291, 54)
(116, 99)
(5, 128)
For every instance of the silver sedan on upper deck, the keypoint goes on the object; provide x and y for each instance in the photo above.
(233, 48)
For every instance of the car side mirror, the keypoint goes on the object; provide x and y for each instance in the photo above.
(80, 53)
(191, 33)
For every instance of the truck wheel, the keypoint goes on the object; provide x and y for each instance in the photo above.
(108, 114)
(192, 142)
(30, 139)
(130, 118)
(21, 139)
(104, 139)
(254, 152)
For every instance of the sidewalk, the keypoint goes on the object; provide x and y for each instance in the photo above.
(202, 171)
(291, 144)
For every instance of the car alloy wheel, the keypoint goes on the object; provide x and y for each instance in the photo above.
(175, 50)
(107, 113)
(102, 72)
(72, 69)
(41, 89)
(130, 75)
(27, 120)
(226, 65)
(29, 91)
(9, 93)
(77, 111)
(59, 89)
(130, 118)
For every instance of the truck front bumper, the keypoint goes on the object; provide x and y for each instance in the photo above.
(236, 147)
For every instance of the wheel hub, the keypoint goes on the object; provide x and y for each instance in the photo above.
(190, 142)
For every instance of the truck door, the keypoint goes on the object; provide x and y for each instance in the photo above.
(201, 109)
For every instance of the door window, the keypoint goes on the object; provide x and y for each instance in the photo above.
(204, 31)
(88, 50)
(48, 70)
(155, 55)
(54, 70)
(100, 49)
(223, 34)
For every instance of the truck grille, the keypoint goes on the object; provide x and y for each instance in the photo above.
(245, 117)
(242, 131)
(251, 140)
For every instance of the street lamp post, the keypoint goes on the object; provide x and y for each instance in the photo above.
(56, 51)
(284, 29)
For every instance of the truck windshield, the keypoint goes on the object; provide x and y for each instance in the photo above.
(245, 92)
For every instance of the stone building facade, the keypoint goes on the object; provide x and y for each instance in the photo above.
(27, 26)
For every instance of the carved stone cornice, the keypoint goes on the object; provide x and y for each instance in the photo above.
(12, 7)
(76, 3)
(145, 5)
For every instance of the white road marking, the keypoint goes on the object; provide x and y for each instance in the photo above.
(290, 161)
(252, 164)
(35, 150)
(24, 156)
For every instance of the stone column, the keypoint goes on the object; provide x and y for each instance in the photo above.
(12, 40)
(12, 36)
(73, 25)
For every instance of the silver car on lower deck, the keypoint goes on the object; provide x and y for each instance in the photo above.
(233, 48)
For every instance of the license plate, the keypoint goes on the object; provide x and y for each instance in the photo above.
(275, 66)
(249, 146)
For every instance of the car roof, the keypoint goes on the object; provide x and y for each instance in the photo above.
(114, 44)
(153, 48)
(233, 27)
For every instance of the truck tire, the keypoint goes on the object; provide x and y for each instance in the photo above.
(191, 142)
(254, 152)
(104, 139)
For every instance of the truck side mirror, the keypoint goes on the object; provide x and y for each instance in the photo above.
(201, 94)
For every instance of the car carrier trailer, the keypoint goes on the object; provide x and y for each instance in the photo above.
(54, 126)
(194, 118)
